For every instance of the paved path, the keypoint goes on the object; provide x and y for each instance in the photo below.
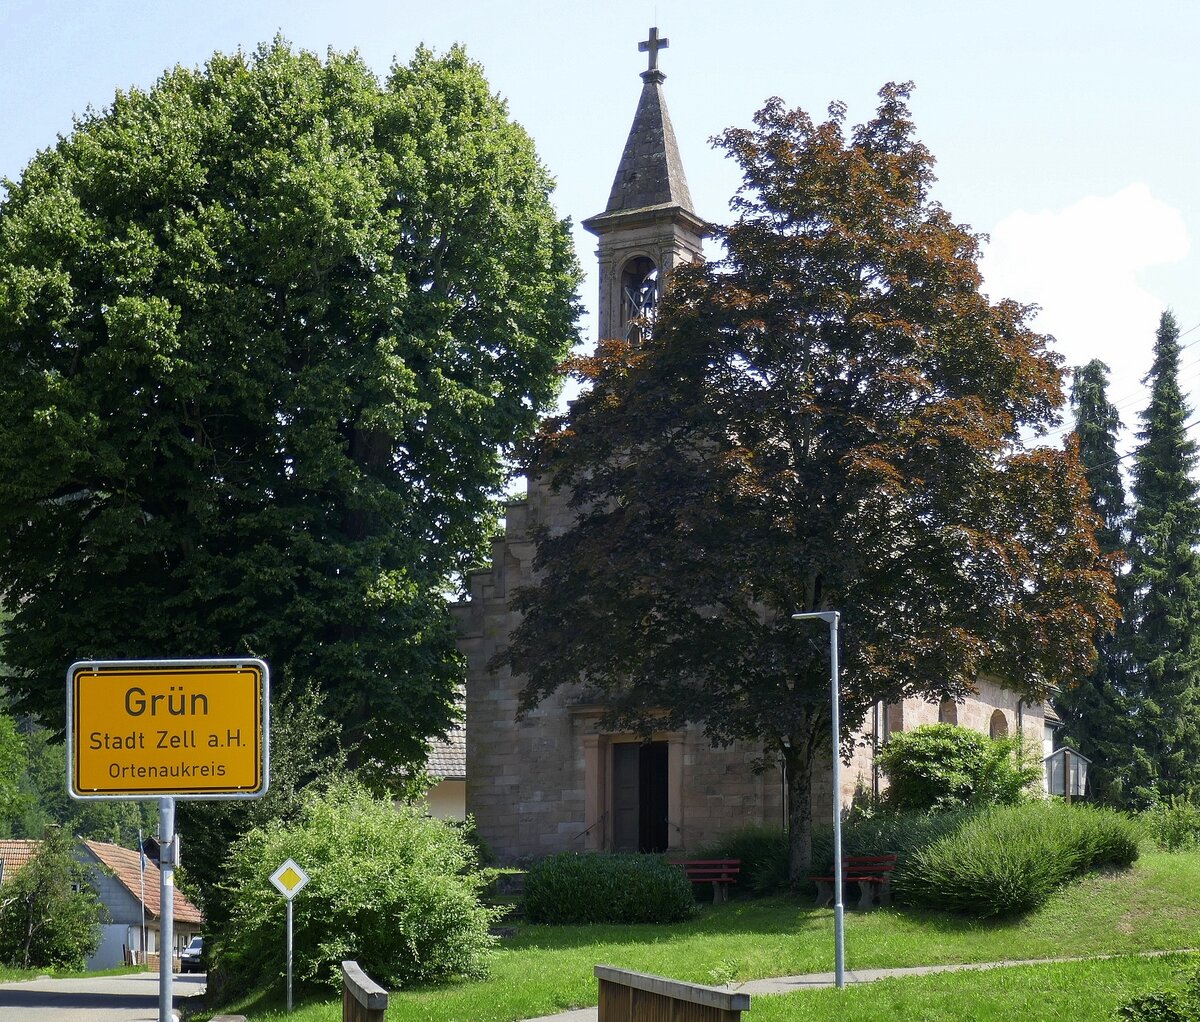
(132, 998)
(816, 980)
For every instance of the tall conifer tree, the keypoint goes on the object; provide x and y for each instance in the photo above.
(1092, 709)
(1161, 631)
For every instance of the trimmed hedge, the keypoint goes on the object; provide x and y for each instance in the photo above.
(763, 849)
(1010, 859)
(902, 833)
(597, 887)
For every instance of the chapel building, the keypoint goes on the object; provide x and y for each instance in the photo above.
(556, 780)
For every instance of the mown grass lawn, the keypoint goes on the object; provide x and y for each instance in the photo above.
(1153, 906)
(1070, 992)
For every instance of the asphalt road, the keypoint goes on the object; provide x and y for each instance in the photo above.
(132, 998)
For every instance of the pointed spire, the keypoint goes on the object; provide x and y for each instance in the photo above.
(650, 172)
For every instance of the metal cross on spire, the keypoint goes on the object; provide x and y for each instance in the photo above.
(652, 46)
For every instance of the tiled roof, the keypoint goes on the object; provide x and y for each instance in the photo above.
(14, 855)
(124, 864)
(448, 757)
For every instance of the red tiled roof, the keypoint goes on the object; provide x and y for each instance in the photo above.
(124, 864)
(14, 855)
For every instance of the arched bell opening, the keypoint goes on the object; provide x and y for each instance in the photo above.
(639, 297)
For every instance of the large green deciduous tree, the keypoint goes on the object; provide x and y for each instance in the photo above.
(13, 761)
(829, 417)
(268, 332)
(1092, 707)
(1160, 632)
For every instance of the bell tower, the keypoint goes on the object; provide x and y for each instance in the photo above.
(648, 227)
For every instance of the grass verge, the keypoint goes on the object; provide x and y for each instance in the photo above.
(11, 974)
(1070, 992)
(1153, 906)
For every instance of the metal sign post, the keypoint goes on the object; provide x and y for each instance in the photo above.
(289, 879)
(168, 729)
(166, 915)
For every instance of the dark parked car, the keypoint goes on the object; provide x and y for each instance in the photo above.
(191, 959)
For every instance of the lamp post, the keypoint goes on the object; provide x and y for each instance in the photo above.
(831, 618)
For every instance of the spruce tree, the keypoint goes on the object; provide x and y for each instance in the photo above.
(1092, 709)
(1161, 631)
(1097, 423)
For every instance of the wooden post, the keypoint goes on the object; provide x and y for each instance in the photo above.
(637, 997)
(363, 1000)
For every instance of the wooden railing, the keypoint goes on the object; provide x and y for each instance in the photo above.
(363, 1000)
(636, 997)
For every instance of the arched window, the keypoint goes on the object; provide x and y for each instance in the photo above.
(999, 725)
(947, 711)
(639, 295)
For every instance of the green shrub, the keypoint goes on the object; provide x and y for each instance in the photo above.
(944, 766)
(1174, 825)
(1010, 859)
(595, 887)
(1176, 1005)
(389, 888)
(1162, 1006)
(763, 852)
(901, 833)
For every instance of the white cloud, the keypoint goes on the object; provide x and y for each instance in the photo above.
(1082, 265)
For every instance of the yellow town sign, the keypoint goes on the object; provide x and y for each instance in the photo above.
(172, 728)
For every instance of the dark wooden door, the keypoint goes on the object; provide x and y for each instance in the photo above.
(625, 802)
(652, 797)
(639, 797)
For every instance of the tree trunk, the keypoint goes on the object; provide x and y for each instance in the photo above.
(797, 764)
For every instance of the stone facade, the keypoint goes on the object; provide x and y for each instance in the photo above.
(545, 784)
(555, 781)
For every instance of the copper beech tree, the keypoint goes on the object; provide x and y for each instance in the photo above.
(829, 417)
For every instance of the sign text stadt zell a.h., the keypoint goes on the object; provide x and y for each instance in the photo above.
(167, 728)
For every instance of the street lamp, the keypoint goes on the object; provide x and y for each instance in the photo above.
(831, 618)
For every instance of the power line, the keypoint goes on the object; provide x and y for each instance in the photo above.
(1187, 426)
(1191, 373)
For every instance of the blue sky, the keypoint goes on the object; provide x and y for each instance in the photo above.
(1066, 130)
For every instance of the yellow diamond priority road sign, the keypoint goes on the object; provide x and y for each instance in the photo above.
(289, 879)
(168, 728)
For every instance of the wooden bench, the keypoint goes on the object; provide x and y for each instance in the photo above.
(872, 873)
(632, 996)
(718, 872)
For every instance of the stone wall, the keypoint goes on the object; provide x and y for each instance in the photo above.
(541, 785)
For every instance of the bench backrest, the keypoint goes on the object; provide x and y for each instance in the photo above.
(628, 996)
(363, 1000)
(710, 869)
